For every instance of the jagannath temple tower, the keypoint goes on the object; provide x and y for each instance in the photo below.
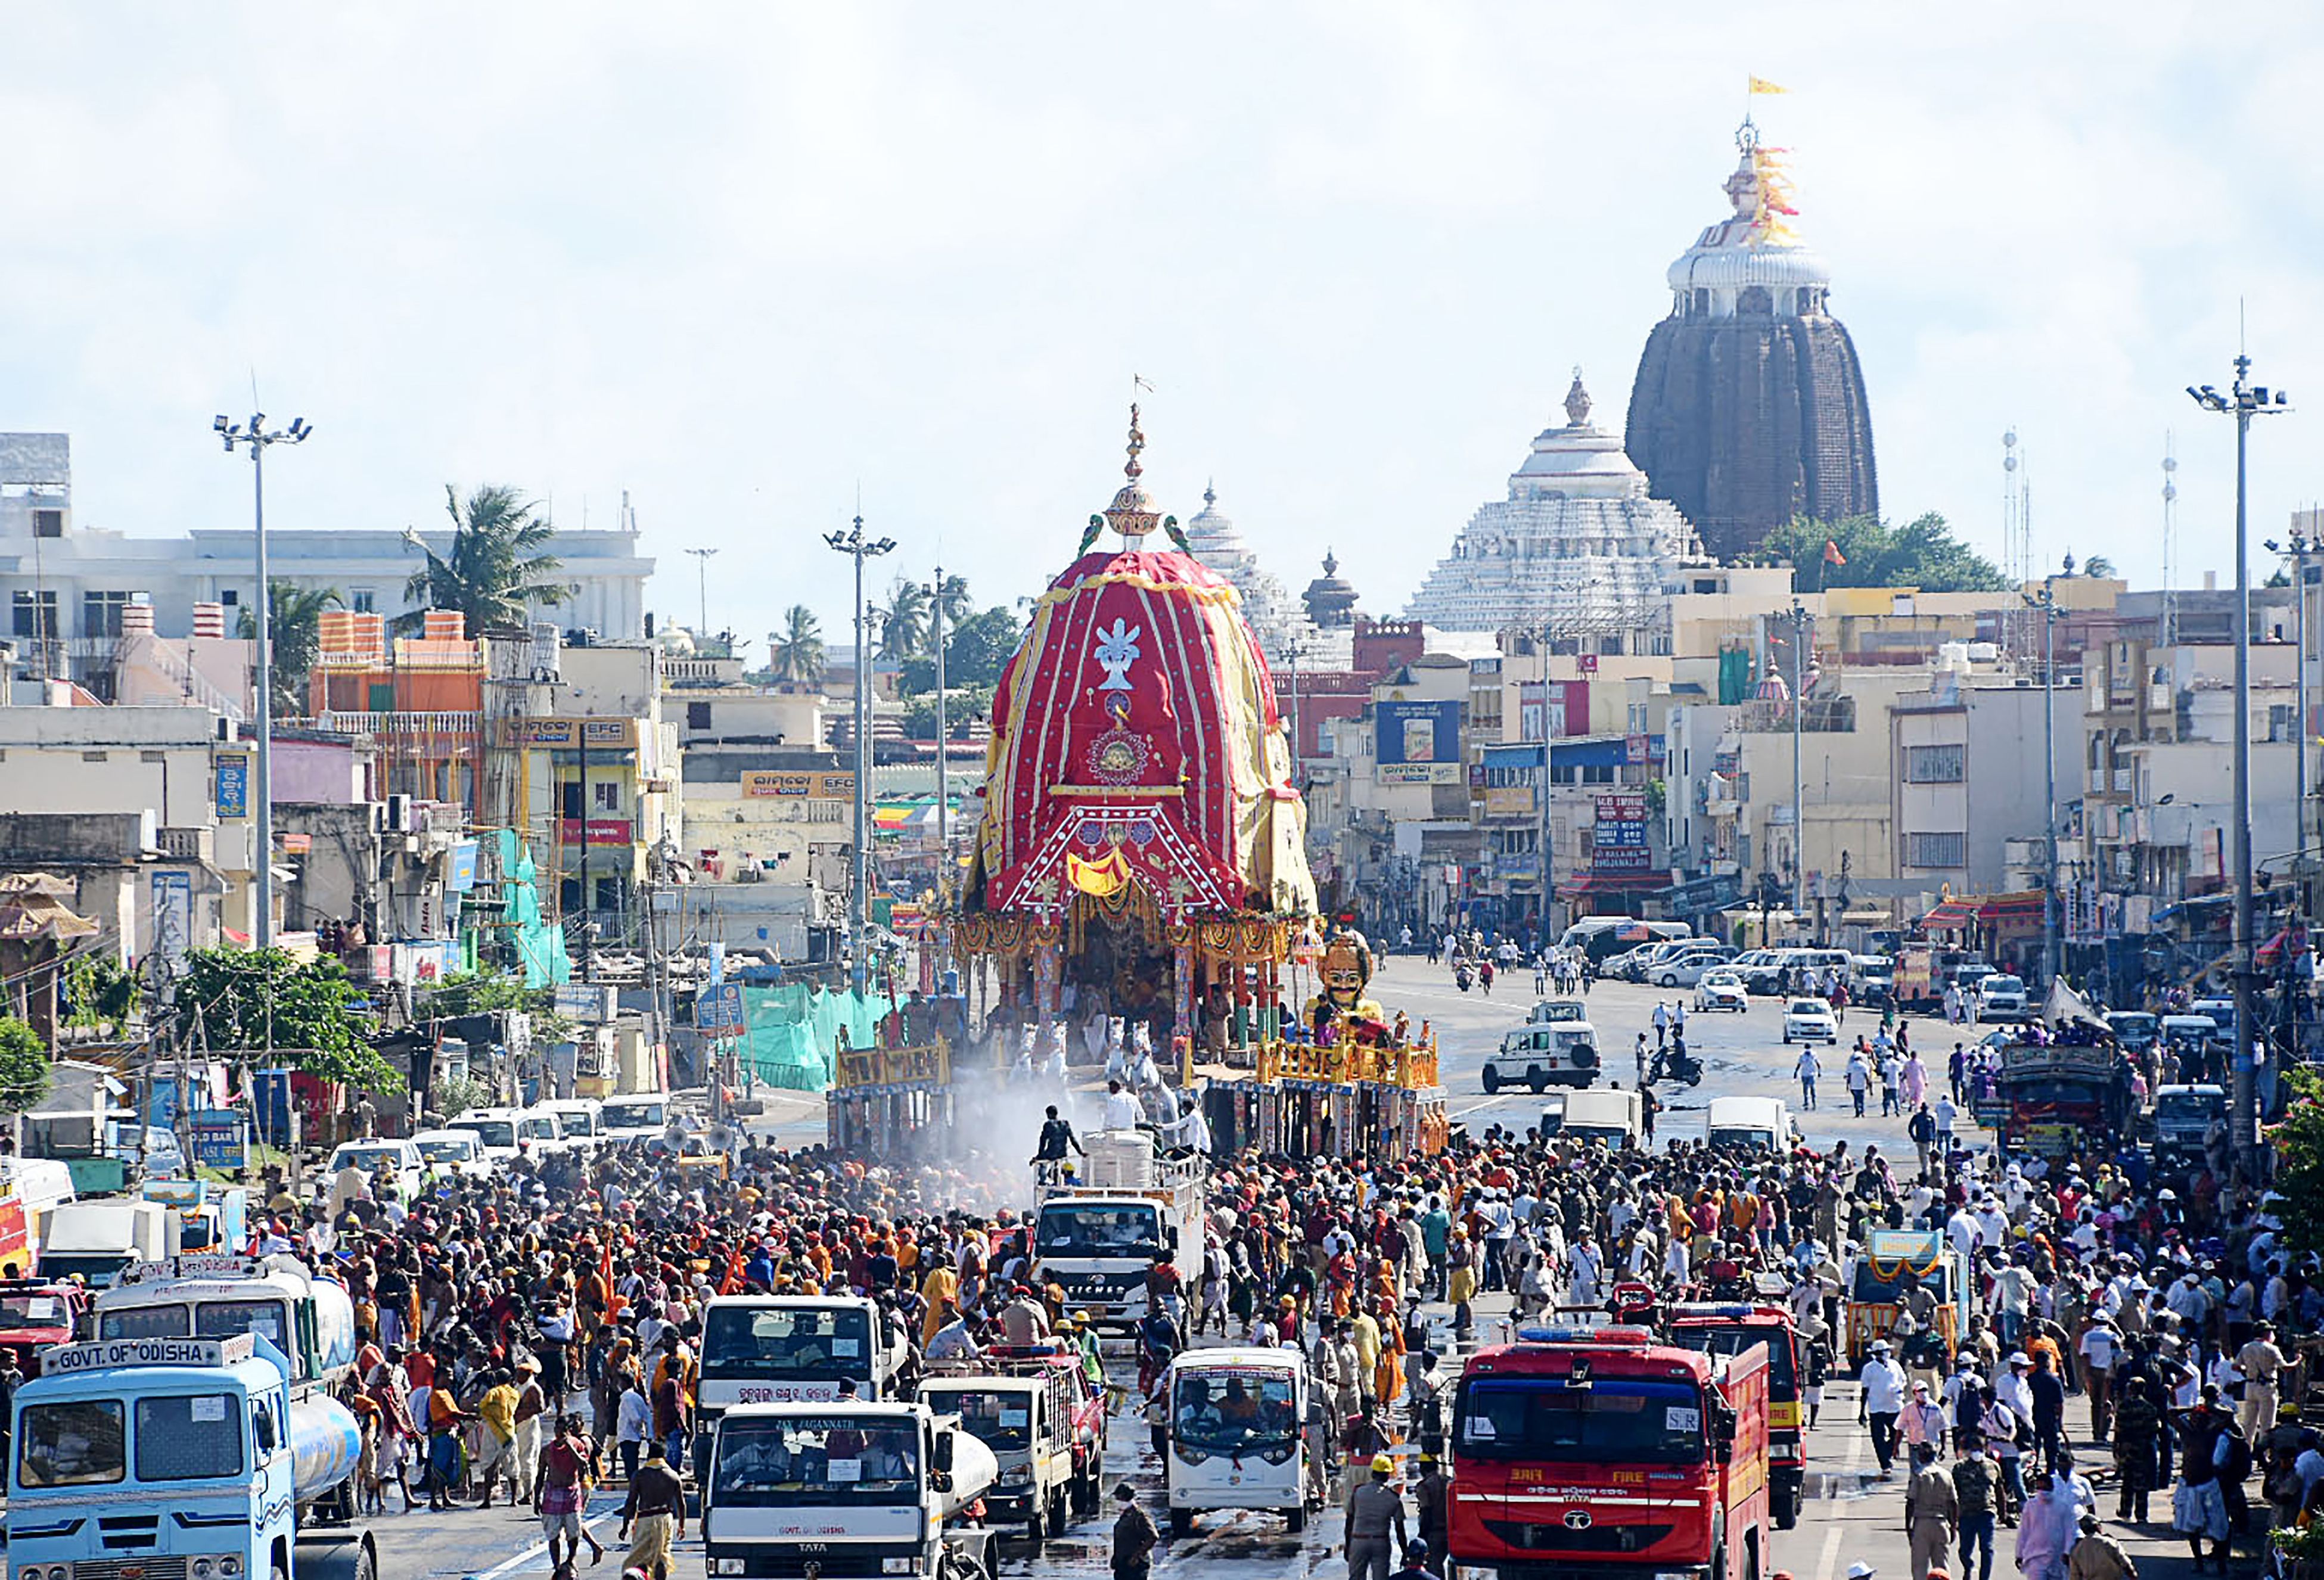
(1749, 408)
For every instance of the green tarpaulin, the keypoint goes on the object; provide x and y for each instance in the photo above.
(793, 1031)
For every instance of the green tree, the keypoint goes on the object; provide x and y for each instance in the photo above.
(2299, 1161)
(295, 616)
(1923, 552)
(100, 990)
(499, 567)
(903, 623)
(24, 1068)
(963, 703)
(954, 600)
(236, 1000)
(2097, 565)
(485, 993)
(977, 649)
(798, 647)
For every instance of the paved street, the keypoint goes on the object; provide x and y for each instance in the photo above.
(1851, 1515)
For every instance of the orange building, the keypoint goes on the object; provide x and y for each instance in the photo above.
(421, 697)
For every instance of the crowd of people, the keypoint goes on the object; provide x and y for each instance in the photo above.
(530, 1334)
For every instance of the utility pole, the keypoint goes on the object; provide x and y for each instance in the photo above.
(944, 743)
(854, 543)
(256, 437)
(2047, 606)
(1798, 616)
(2244, 400)
(2297, 549)
(702, 571)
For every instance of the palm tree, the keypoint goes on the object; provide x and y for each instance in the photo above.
(953, 598)
(2097, 565)
(903, 624)
(499, 567)
(295, 621)
(798, 647)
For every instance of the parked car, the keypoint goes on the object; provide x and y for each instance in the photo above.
(1810, 1020)
(1685, 970)
(2135, 1030)
(1721, 988)
(454, 1152)
(1872, 980)
(399, 1158)
(2001, 998)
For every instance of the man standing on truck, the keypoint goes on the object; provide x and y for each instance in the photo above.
(1057, 1135)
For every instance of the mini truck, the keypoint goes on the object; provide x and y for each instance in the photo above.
(1097, 1241)
(181, 1459)
(1035, 1409)
(774, 1349)
(1585, 1452)
(832, 1491)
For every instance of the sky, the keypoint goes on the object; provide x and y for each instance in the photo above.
(755, 263)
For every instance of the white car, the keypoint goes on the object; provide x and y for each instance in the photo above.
(638, 1117)
(454, 1152)
(2001, 998)
(1721, 988)
(1810, 1020)
(1686, 967)
(399, 1158)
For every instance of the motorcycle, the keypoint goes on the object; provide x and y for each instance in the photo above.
(1676, 1064)
(1462, 977)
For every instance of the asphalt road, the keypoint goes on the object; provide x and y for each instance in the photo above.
(1851, 1515)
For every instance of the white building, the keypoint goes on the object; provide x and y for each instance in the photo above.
(1578, 545)
(70, 583)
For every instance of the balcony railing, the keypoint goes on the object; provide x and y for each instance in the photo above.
(399, 723)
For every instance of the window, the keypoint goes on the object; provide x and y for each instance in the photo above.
(230, 597)
(193, 1437)
(30, 624)
(1598, 774)
(1932, 764)
(73, 1443)
(606, 795)
(363, 600)
(48, 523)
(609, 893)
(100, 613)
(697, 715)
(1936, 849)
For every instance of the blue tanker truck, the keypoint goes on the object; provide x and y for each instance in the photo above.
(181, 1459)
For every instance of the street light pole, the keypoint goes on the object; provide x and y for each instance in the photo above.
(2047, 603)
(852, 543)
(1799, 617)
(943, 738)
(2244, 400)
(702, 563)
(256, 437)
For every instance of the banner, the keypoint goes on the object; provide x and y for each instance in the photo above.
(816, 786)
(1417, 743)
(1619, 841)
(611, 733)
(233, 784)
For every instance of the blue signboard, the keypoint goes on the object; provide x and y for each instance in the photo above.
(1418, 732)
(463, 875)
(218, 1138)
(718, 1009)
(234, 783)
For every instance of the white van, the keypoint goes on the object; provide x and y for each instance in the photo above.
(399, 1158)
(495, 1130)
(633, 1116)
(1239, 1436)
(1544, 1053)
(1760, 1124)
(577, 1124)
(1613, 1117)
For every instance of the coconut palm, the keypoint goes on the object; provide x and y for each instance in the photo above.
(797, 648)
(903, 624)
(2097, 565)
(499, 569)
(953, 598)
(295, 621)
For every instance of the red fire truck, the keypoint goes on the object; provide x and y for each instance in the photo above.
(1728, 1327)
(1605, 1454)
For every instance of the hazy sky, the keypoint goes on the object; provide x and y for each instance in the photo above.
(742, 260)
